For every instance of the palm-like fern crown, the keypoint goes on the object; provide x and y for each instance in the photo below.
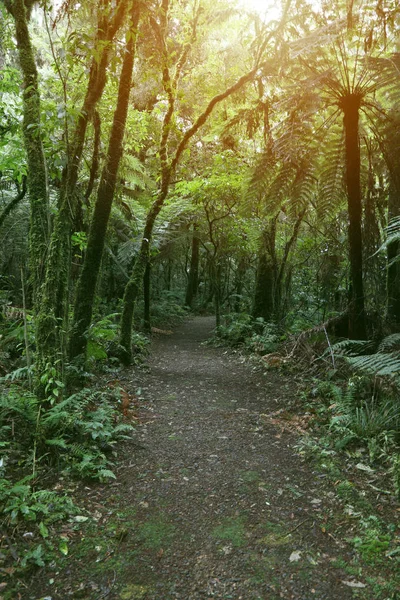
(344, 60)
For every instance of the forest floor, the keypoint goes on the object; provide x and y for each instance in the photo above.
(211, 498)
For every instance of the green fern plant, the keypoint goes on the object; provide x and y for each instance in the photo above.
(78, 433)
(384, 362)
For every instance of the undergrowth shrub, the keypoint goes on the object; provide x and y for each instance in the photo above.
(76, 435)
(167, 310)
(363, 414)
(103, 341)
(240, 329)
(235, 330)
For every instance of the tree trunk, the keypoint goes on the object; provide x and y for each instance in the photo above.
(134, 284)
(193, 281)
(216, 283)
(37, 171)
(263, 305)
(146, 290)
(86, 288)
(51, 321)
(239, 281)
(393, 270)
(357, 325)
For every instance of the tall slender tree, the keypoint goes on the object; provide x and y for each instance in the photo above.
(86, 289)
(33, 138)
(51, 321)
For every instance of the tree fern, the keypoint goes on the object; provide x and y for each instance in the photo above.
(331, 178)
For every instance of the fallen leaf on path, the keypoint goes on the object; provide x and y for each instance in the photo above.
(354, 584)
(366, 468)
(295, 556)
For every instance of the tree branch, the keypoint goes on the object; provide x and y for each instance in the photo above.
(13, 203)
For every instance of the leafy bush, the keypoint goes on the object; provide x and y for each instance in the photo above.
(237, 328)
(77, 433)
(365, 414)
(240, 329)
(266, 341)
(18, 501)
(168, 310)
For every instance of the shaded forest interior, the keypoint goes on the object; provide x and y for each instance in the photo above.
(170, 158)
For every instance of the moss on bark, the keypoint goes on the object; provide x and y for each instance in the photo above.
(86, 288)
(37, 172)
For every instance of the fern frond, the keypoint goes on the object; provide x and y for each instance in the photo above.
(389, 343)
(352, 347)
(303, 188)
(376, 364)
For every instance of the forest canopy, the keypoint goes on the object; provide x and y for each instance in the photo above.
(243, 158)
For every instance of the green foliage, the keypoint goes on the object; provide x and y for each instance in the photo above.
(168, 310)
(372, 543)
(395, 471)
(363, 415)
(101, 334)
(237, 328)
(241, 329)
(266, 341)
(76, 434)
(20, 502)
(384, 362)
(366, 414)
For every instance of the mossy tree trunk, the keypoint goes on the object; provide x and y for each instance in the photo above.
(86, 289)
(51, 322)
(37, 172)
(350, 105)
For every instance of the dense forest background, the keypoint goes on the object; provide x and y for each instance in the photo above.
(170, 156)
(230, 162)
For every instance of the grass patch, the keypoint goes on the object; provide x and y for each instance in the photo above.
(231, 530)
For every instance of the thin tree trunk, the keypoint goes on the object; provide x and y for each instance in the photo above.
(217, 293)
(86, 288)
(357, 325)
(146, 290)
(14, 202)
(37, 171)
(263, 304)
(51, 321)
(193, 281)
(135, 282)
(94, 167)
(393, 270)
(239, 282)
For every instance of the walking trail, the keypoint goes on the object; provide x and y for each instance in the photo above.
(211, 501)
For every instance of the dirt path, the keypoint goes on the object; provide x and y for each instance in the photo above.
(220, 502)
(213, 502)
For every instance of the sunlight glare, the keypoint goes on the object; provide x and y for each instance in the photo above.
(269, 10)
